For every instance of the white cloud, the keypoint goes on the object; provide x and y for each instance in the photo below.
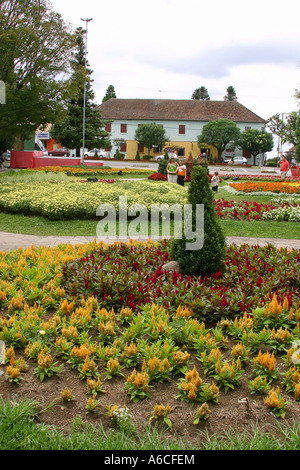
(167, 48)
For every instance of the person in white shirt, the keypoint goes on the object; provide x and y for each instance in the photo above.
(215, 182)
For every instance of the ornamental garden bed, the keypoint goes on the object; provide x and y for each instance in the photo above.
(94, 330)
(102, 331)
(80, 198)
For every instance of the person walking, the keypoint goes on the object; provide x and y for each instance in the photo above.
(284, 168)
(172, 168)
(215, 182)
(181, 173)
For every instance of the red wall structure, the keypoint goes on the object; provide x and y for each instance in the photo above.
(35, 159)
(24, 158)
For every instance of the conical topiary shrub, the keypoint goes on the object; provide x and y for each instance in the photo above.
(208, 259)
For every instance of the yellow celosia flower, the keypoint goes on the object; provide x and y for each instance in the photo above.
(203, 411)
(69, 332)
(44, 359)
(184, 312)
(266, 360)
(66, 395)
(297, 391)
(2, 296)
(274, 400)
(66, 307)
(13, 372)
(181, 357)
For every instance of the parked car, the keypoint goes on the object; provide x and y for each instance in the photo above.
(61, 152)
(158, 158)
(6, 155)
(100, 153)
(237, 160)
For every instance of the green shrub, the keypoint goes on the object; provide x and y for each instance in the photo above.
(162, 165)
(208, 259)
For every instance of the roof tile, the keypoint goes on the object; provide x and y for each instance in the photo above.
(179, 110)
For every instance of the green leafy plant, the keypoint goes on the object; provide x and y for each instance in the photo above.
(259, 385)
(137, 385)
(265, 365)
(202, 413)
(191, 388)
(45, 366)
(130, 355)
(161, 413)
(228, 375)
(121, 417)
(275, 402)
(113, 369)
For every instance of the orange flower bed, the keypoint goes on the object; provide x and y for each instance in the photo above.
(263, 186)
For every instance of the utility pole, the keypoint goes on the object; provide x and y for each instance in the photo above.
(87, 20)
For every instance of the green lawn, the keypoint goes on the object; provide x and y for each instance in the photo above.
(30, 225)
(38, 225)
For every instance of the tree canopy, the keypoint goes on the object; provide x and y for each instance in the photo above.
(150, 134)
(201, 94)
(256, 141)
(68, 130)
(36, 44)
(219, 134)
(110, 93)
(284, 128)
(230, 94)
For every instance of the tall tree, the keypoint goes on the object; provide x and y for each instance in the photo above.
(230, 94)
(110, 93)
(219, 134)
(150, 134)
(35, 50)
(256, 141)
(201, 94)
(284, 128)
(69, 129)
(297, 135)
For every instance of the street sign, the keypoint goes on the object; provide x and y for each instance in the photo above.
(43, 135)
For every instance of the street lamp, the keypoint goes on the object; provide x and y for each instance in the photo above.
(280, 137)
(87, 20)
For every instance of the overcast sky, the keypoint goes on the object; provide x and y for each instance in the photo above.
(168, 48)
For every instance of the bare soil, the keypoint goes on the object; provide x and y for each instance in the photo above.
(235, 408)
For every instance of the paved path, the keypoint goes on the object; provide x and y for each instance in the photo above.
(9, 241)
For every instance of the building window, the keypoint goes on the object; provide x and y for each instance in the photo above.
(123, 128)
(140, 148)
(108, 127)
(247, 128)
(181, 129)
(123, 147)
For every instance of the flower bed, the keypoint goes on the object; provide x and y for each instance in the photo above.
(227, 176)
(280, 209)
(265, 177)
(243, 210)
(80, 171)
(274, 187)
(109, 319)
(245, 286)
(73, 199)
(164, 177)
